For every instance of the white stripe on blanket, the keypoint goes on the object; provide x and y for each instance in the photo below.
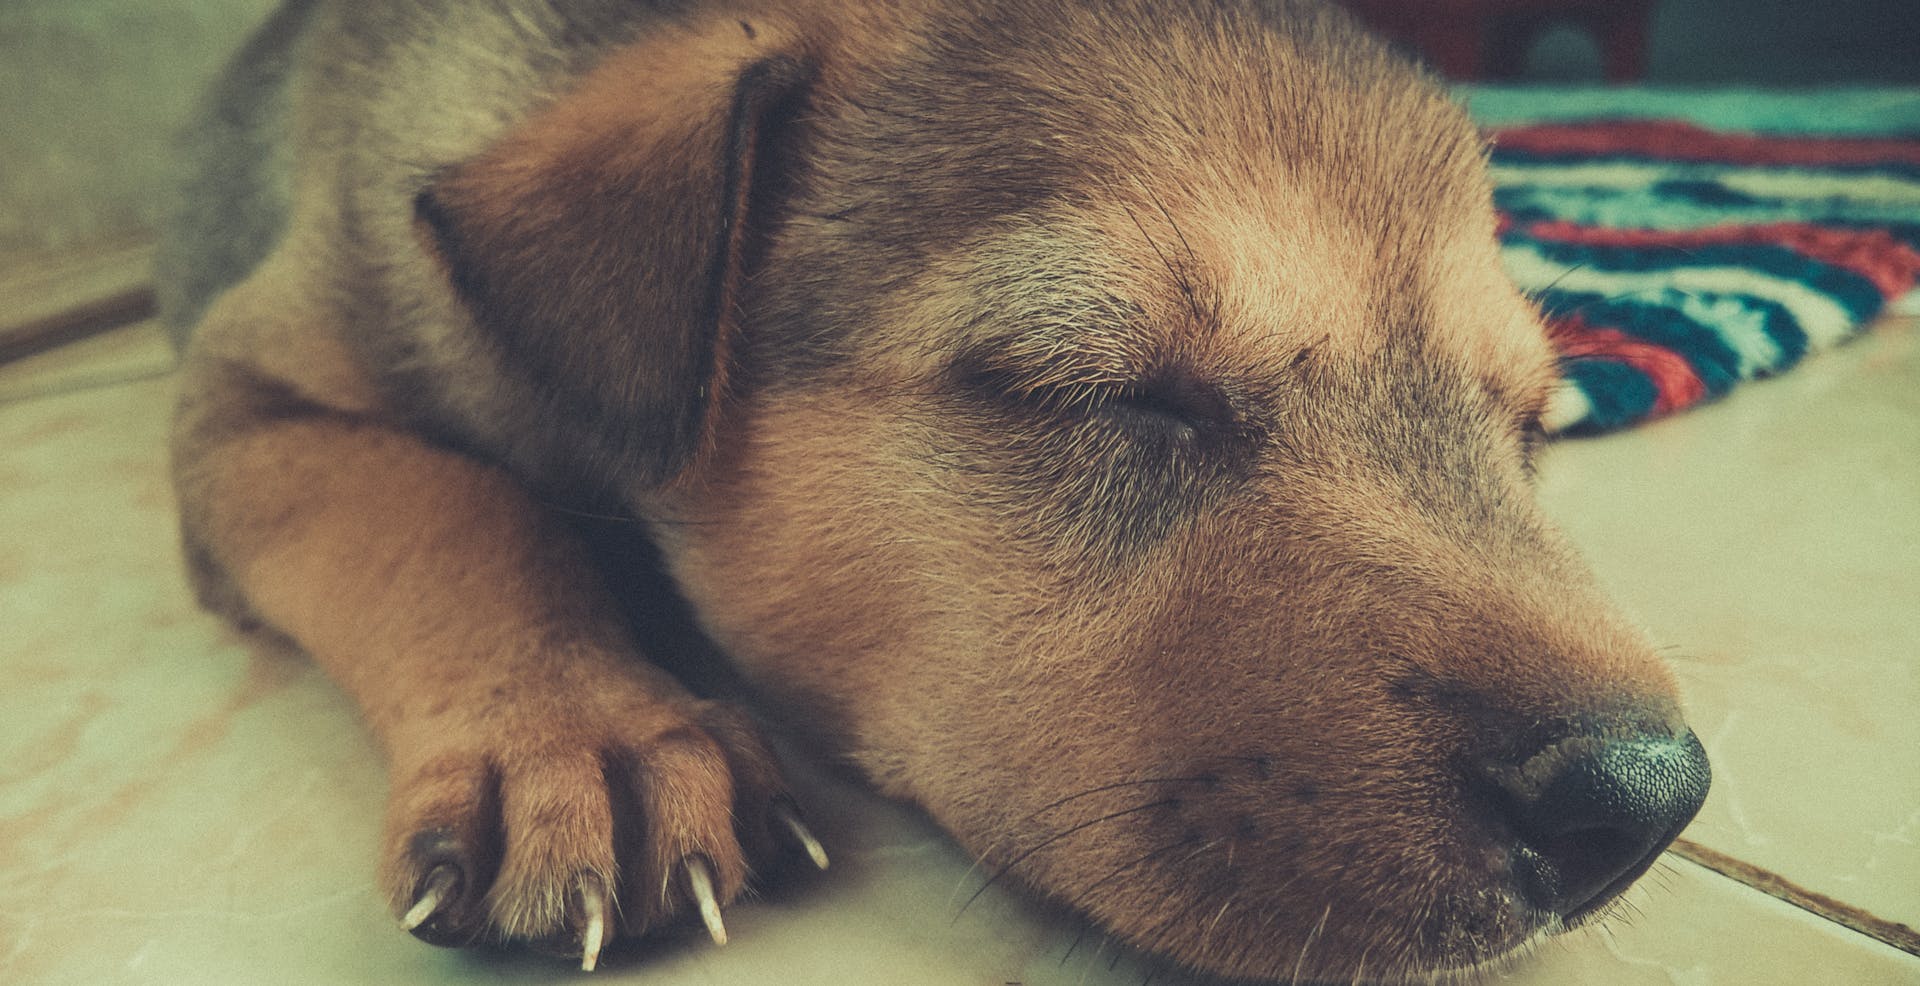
(1759, 182)
(1820, 317)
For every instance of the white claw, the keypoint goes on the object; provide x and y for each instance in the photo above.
(815, 851)
(701, 881)
(439, 883)
(593, 902)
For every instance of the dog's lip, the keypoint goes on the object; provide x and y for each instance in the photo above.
(1492, 960)
(1498, 849)
(1506, 930)
(1505, 847)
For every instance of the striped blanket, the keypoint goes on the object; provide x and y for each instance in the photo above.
(1674, 262)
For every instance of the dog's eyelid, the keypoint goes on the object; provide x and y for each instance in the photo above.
(1051, 359)
(1186, 393)
(1107, 380)
(1060, 375)
(1093, 388)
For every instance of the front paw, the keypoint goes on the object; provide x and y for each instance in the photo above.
(557, 830)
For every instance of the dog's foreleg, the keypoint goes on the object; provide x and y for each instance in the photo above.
(547, 783)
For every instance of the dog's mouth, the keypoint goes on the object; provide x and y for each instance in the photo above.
(1550, 848)
(1511, 921)
(1567, 832)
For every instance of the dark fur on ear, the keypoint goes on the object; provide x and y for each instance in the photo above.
(600, 245)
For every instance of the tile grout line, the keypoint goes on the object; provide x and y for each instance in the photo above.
(1891, 933)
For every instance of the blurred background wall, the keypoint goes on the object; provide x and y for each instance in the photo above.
(90, 89)
(1758, 42)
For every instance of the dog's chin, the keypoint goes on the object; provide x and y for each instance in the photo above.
(1478, 965)
(1470, 956)
(1465, 934)
(1450, 956)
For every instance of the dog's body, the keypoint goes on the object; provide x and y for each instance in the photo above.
(1105, 424)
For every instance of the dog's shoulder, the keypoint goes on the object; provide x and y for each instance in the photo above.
(318, 147)
(527, 217)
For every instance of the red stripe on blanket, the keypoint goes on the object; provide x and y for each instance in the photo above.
(1874, 254)
(1676, 141)
(1675, 382)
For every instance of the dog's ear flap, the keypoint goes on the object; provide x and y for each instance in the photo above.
(599, 245)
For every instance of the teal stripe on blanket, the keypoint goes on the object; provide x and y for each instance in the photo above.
(1852, 111)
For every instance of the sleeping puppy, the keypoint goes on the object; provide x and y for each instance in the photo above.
(1103, 422)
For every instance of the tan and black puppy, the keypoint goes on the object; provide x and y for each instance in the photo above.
(1106, 424)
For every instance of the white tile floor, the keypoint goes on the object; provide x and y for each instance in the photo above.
(175, 808)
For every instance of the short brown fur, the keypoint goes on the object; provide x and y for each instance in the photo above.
(1104, 424)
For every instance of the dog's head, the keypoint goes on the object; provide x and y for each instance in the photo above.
(1110, 425)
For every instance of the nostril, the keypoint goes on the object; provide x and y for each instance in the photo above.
(1591, 813)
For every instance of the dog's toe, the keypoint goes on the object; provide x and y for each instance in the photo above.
(697, 814)
(447, 850)
(643, 822)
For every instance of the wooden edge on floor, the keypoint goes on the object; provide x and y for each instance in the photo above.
(48, 300)
(1893, 933)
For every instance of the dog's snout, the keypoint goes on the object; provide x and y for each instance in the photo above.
(1589, 814)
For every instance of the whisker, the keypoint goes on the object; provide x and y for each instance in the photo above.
(1360, 968)
(1263, 763)
(1561, 314)
(1153, 196)
(1156, 937)
(1193, 259)
(1087, 970)
(1306, 946)
(1569, 272)
(1043, 809)
(567, 511)
(1214, 924)
(1056, 837)
(1123, 867)
(1179, 279)
(1085, 926)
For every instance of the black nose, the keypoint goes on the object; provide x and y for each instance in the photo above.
(1591, 813)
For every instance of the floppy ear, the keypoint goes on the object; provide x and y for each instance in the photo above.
(599, 245)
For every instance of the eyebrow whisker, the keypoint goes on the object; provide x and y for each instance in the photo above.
(1180, 278)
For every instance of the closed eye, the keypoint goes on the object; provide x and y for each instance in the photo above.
(1120, 392)
(1163, 406)
(1145, 408)
(1177, 405)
